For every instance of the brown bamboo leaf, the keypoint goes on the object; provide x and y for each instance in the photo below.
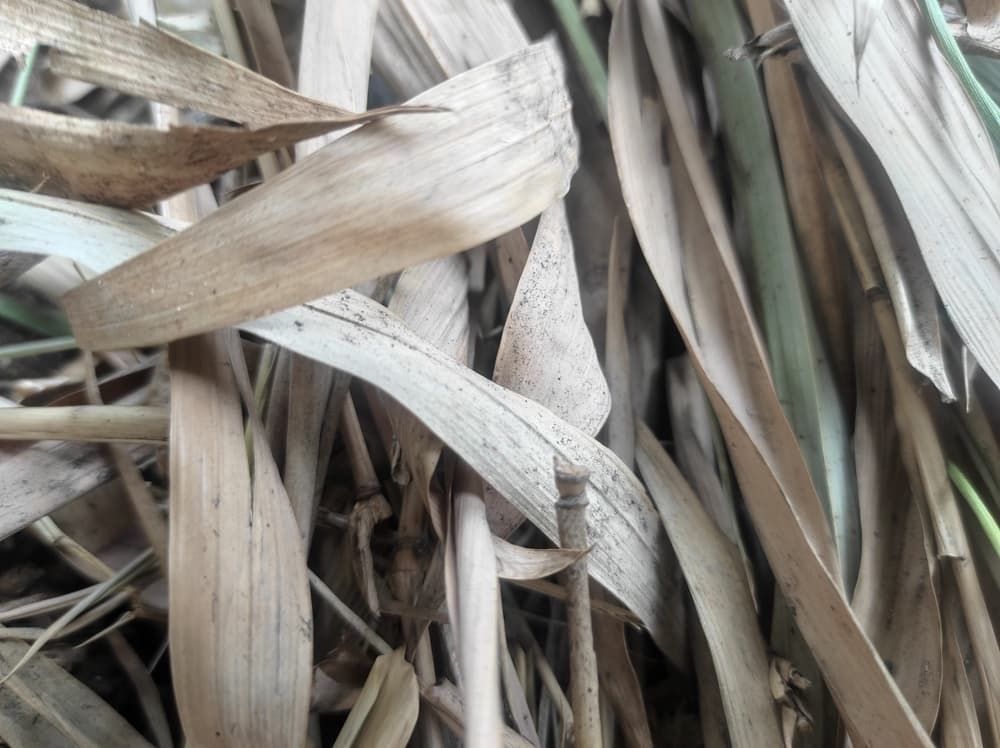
(385, 712)
(43, 705)
(241, 662)
(397, 203)
(546, 351)
(764, 450)
(517, 562)
(948, 187)
(122, 164)
(145, 61)
(894, 598)
(959, 722)
(717, 581)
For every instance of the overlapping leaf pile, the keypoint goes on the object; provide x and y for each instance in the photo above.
(324, 355)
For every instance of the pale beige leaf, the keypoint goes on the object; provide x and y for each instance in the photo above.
(44, 706)
(397, 203)
(336, 53)
(866, 15)
(959, 722)
(385, 712)
(142, 60)
(546, 351)
(508, 439)
(446, 700)
(725, 350)
(949, 186)
(717, 581)
(241, 654)
(517, 562)
(266, 42)
(47, 475)
(894, 598)
(117, 163)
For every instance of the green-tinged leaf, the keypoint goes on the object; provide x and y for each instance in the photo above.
(803, 375)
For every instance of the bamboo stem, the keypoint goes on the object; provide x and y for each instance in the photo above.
(571, 513)
(138, 424)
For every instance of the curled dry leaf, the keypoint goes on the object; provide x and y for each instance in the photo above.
(763, 447)
(515, 562)
(241, 654)
(948, 186)
(145, 61)
(397, 203)
(121, 164)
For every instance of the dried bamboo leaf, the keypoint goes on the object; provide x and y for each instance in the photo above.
(142, 60)
(516, 562)
(948, 186)
(241, 654)
(802, 371)
(894, 598)
(397, 203)
(48, 475)
(907, 279)
(763, 448)
(122, 164)
(43, 705)
(717, 581)
(546, 351)
(959, 722)
(385, 712)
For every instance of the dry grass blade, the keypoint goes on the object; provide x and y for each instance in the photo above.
(397, 203)
(44, 477)
(43, 705)
(763, 447)
(122, 164)
(241, 653)
(149, 696)
(546, 352)
(446, 701)
(145, 61)
(517, 563)
(806, 193)
(948, 186)
(866, 15)
(895, 598)
(959, 722)
(621, 424)
(265, 41)
(385, 712)
(507, 439)
(716, 578)
(139, 424)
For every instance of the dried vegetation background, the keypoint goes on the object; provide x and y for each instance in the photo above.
(441, 372)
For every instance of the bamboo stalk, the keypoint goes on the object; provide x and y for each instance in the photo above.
(571, 513)
(138, 424)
